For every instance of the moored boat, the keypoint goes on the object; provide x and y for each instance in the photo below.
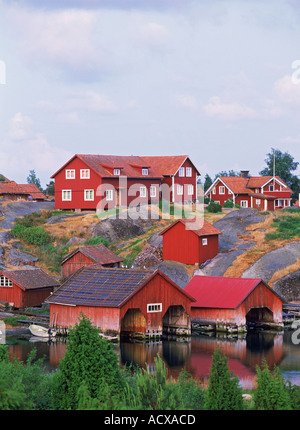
(38, 330)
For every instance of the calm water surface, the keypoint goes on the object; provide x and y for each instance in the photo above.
(193, 354)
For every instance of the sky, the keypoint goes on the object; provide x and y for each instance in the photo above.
(218, 81)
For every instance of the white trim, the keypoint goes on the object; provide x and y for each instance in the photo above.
(71, 172)
(152, 188)
(204, 241)
(186, 172)
(82, 175)
(274, 179)
(214, 184)
(111, 194)
(143, 191)
(88, 198)
(154, 307)
(63, 195)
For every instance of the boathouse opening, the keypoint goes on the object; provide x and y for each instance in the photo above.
(133, 322)
(176, 321)
(259, 315)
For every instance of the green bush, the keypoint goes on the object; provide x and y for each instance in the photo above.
(229, 203)
(214, 207)
(98, 240)
(36, 235)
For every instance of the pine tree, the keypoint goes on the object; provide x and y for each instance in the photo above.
(271, 392)
(223, 392)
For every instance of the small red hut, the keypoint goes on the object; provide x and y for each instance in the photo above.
(25, 287)
(122, 301)
(180, 243)
(86, 255)
(228, 303)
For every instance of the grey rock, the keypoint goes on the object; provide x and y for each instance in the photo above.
(5, 236)
(19, 209)
(176, 272)
(275, 260)
(17, 258)
(289, 286)
(155, 240)
(73, 241)
(116, 229)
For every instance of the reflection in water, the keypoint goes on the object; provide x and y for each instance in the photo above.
(194, 355)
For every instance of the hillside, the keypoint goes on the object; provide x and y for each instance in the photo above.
(247, 242)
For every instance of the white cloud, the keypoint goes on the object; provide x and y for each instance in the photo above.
(186, 101)
(288, 91)
(91, 101)
(230, 112)
(29, 150)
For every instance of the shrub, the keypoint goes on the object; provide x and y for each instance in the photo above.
(229, 203)
(31, 235)
(214, 207)
(98, 240)
(223, 392)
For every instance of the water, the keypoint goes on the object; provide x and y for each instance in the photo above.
(193, 354)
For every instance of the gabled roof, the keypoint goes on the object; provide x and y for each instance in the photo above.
(221, 292)
(206, 230)
(33, 191)
(103, 165)
(11, 187)
(97, 253)
(260, 181)
(102, 287)
(167, 165)
(30, 279)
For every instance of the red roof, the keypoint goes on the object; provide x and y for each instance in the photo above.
(205, 230)
(97, 253)
(220, 292)
(33, 191)
(240, 185)
(30, 279)
(167, 165)
(11, 187)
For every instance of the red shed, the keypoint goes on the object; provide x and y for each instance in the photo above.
(86, 255)
(122, 301)
(232, 303)
(187, 246)
(28, 287)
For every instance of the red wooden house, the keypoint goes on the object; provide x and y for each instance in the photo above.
(12, 191)
(106, 181)
(233, 302)
(258, 192)
(34, 192)
(188, 246)
(25, 287)
(87, 255)
(122, 301)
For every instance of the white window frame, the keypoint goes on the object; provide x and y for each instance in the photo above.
(221, 189)
(179, 190)
(143, 192)
(154, 307)
(89, 195)
(188, 172)
(70, 173)
(5, 282)
(181, 171)
(109, 195)
(145, 171)
(117, 172)
(84, 173)
(152, 191)
(258, 202)
(66, 195)
(190, 189)
(204, 241)
(271, 186)
(214, 190)
(244, 205)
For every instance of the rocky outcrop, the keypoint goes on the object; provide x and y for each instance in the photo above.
(289, 287)
(176, 272)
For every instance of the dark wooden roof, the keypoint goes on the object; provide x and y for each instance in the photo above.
(98, 286)
(30, 279)
(97, 253)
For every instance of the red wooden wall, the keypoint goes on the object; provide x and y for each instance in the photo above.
(74, 263)
(21, 298)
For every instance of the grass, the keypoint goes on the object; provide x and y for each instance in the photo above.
(286, 227)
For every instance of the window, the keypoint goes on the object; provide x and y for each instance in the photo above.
(271, 187)
(66, 195)
(89, 195)
(109, 195)
(244, 203)
(179, 190)
(257, 202)
(154, 307)
(214, 190)
(181, 171)
(204, 241)
(70, 174)
(84, 173)
(256, 190)
(190, 190)
(117, 172)
(5, 282)
(152, 191)
(188, 172)
(143, 192)
(145, 172)
(221, 189)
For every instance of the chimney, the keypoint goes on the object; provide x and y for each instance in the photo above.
(245, 173)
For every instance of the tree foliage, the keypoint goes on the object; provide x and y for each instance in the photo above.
(32, 179)
(223, 392)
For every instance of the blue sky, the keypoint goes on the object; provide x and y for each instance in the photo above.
(211, 79)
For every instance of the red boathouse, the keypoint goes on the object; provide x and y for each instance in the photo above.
(232, 303)
(25, 287)
(187, 246)
(122, 301)
(87, 255)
